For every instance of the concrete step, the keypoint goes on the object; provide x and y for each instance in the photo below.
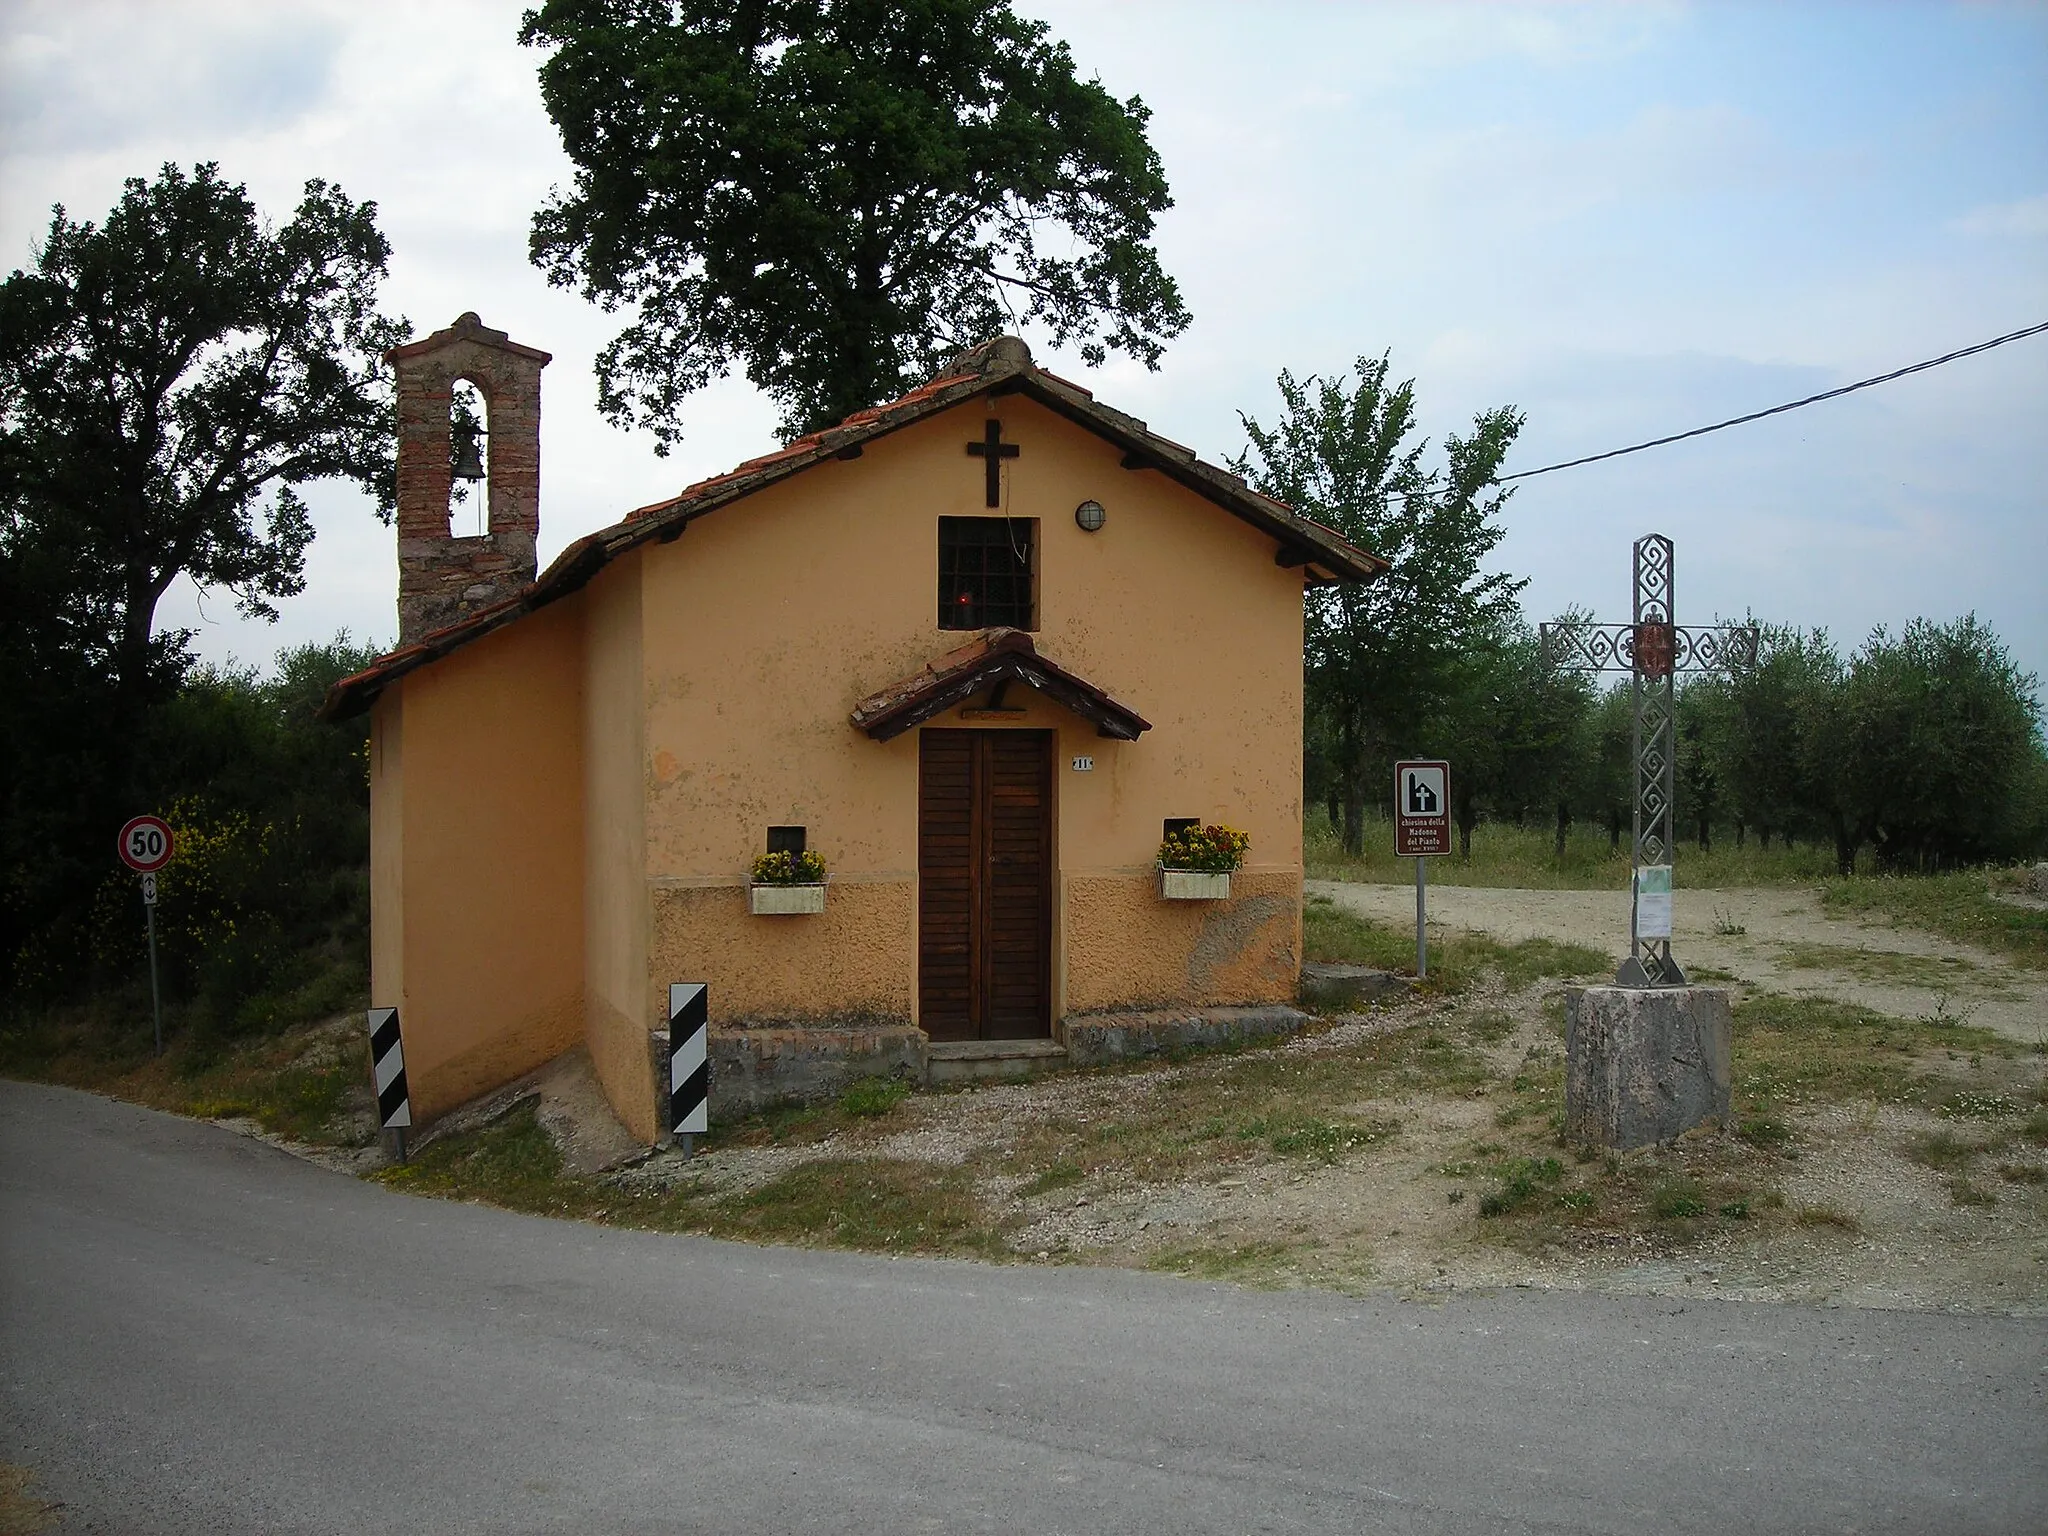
(1327, 984)
(972, 1061)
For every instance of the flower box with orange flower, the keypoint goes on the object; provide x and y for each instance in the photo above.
(1195, 862)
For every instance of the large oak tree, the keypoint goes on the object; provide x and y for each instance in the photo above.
(168, 378)
(836, 195)
(167, 381)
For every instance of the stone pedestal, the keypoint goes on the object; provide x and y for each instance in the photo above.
(1644, 1064)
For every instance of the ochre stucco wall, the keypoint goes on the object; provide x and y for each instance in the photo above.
(490, 862)
(847, 960)
(387, 841)
(1126, 948)
(617, 1011)
(768, 620)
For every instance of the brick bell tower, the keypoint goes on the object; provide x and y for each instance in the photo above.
(443, 578)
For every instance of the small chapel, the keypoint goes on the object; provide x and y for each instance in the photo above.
(968, 657)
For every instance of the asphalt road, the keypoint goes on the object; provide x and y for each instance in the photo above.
(199, 1333)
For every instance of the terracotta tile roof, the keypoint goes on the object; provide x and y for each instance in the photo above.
(1000, 366)
(991, 657)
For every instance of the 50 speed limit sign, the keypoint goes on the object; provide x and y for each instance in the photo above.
(145, 844)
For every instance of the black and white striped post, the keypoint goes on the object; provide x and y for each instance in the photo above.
(387, 1064)
(689, 1062)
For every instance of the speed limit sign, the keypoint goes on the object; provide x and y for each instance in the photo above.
(145, 844)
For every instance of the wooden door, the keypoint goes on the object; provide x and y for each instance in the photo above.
(984, 864)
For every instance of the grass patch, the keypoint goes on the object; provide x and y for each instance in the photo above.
(1944, 1151)
(1526, 858)
(1293, 1134)
(1058, 1176)
(309, 1083)
(1457, 959)
(1977, 1106)
(1802, 1050)
(1520, 1180)
(510, 1162)
(873, 1096)
(1957, 906)
(1764, 1131)
(882, 1205)
(1222, 1113)
(1678, 1198)
(1936, 972)
(1243, 1263)
(1488, 1026)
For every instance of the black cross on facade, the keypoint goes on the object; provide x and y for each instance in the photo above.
(994, 450)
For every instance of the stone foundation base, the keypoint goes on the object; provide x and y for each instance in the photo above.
(1095, 1039)
(1644, 1064)
(753, 1069)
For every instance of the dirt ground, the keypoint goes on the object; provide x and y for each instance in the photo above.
(1781, 939)
(1845, 1206)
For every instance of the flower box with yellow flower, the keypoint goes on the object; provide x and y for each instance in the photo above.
(787, 884)
(1196, 862)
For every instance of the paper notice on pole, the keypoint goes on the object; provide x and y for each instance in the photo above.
(1653, 901)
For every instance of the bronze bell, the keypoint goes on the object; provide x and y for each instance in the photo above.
(469, 459)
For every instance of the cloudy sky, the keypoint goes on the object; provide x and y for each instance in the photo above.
(1626, 220)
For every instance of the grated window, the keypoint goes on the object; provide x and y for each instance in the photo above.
(988, 572)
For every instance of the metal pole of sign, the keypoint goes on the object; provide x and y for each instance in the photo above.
(1421, 916)
(156, 1007)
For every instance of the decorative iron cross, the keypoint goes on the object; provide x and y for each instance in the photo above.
(993, 449)
(1653, 649)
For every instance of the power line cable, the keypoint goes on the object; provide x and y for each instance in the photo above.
(1790, 405)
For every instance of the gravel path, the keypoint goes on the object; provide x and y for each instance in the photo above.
(1756, 936)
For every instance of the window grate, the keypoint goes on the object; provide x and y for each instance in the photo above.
(987, 572)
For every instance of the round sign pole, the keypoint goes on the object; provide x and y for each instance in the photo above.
(1421, 919)
(156, 1007)
(145, 846)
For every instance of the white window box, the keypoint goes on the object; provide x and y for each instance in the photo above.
(1193, 885)
(785, 900)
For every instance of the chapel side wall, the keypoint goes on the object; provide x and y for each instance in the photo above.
(766, 622)
(615, 913)
(493, 860)
(387, 851)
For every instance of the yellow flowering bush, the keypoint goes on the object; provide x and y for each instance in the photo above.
(1214, 849)
(785, 868)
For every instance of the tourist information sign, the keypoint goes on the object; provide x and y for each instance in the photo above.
(1422, 830)
(1422, 809)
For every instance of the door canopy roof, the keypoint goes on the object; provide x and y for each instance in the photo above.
(992, 658)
